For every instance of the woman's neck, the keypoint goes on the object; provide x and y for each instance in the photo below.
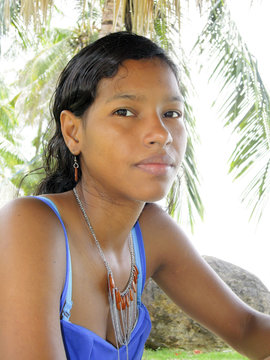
(112, 220)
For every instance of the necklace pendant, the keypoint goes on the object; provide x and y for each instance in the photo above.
(111, 284)
(118, 299)
(123, 307)
(127, 300)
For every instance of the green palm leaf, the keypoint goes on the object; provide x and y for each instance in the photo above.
(245, 104)
(184, 200)
(10, 154)
(39, 77)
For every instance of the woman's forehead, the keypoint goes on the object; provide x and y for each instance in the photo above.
(134, 77)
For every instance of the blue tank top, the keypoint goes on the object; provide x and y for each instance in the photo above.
(83, 344)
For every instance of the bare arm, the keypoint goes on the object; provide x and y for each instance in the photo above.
(195, 287)
(32, 272)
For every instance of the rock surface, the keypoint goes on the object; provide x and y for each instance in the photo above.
(172, 328)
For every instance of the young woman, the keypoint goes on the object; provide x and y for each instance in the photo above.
(73, 262)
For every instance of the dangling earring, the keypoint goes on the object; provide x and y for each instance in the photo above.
(76, 167)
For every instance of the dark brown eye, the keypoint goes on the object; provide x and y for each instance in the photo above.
(172, 114)
(123, 112)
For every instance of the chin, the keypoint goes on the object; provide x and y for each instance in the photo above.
(154, 196)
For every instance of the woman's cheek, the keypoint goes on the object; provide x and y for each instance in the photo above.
(184, 141)
(180, 140)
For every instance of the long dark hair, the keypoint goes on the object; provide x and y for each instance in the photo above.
(76, 91)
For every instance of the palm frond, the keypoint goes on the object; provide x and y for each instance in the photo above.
(31, 11)
(191, 182)
(243, 102)
(143, 14)
(8, 11)
(10, 154)
(8, 120)
(39, 76)
(28, 175)
(184, 199)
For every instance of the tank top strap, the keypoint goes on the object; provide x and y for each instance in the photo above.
(140, 259)
(66, 296)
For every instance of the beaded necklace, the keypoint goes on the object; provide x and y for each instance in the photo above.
(123, 304)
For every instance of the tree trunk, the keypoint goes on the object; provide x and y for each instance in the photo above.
(108, 18)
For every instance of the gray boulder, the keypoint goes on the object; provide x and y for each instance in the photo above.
(172, 328)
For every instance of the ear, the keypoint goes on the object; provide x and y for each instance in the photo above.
(71, 130)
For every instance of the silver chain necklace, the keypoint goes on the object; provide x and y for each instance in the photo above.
(123, 304)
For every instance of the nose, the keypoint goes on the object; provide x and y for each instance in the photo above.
(156, 133)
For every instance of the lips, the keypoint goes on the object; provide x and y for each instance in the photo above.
(156, 165)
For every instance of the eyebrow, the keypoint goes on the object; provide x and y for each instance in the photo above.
(142, 98)
(125, 96)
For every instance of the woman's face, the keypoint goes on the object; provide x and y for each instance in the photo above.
(134, 135)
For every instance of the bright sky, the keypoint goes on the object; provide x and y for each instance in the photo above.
(226, 232)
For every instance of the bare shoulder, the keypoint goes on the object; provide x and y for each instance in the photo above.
(32, 272)
(163, 238)
(154, 218)
(31, 235)
(29, 221)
